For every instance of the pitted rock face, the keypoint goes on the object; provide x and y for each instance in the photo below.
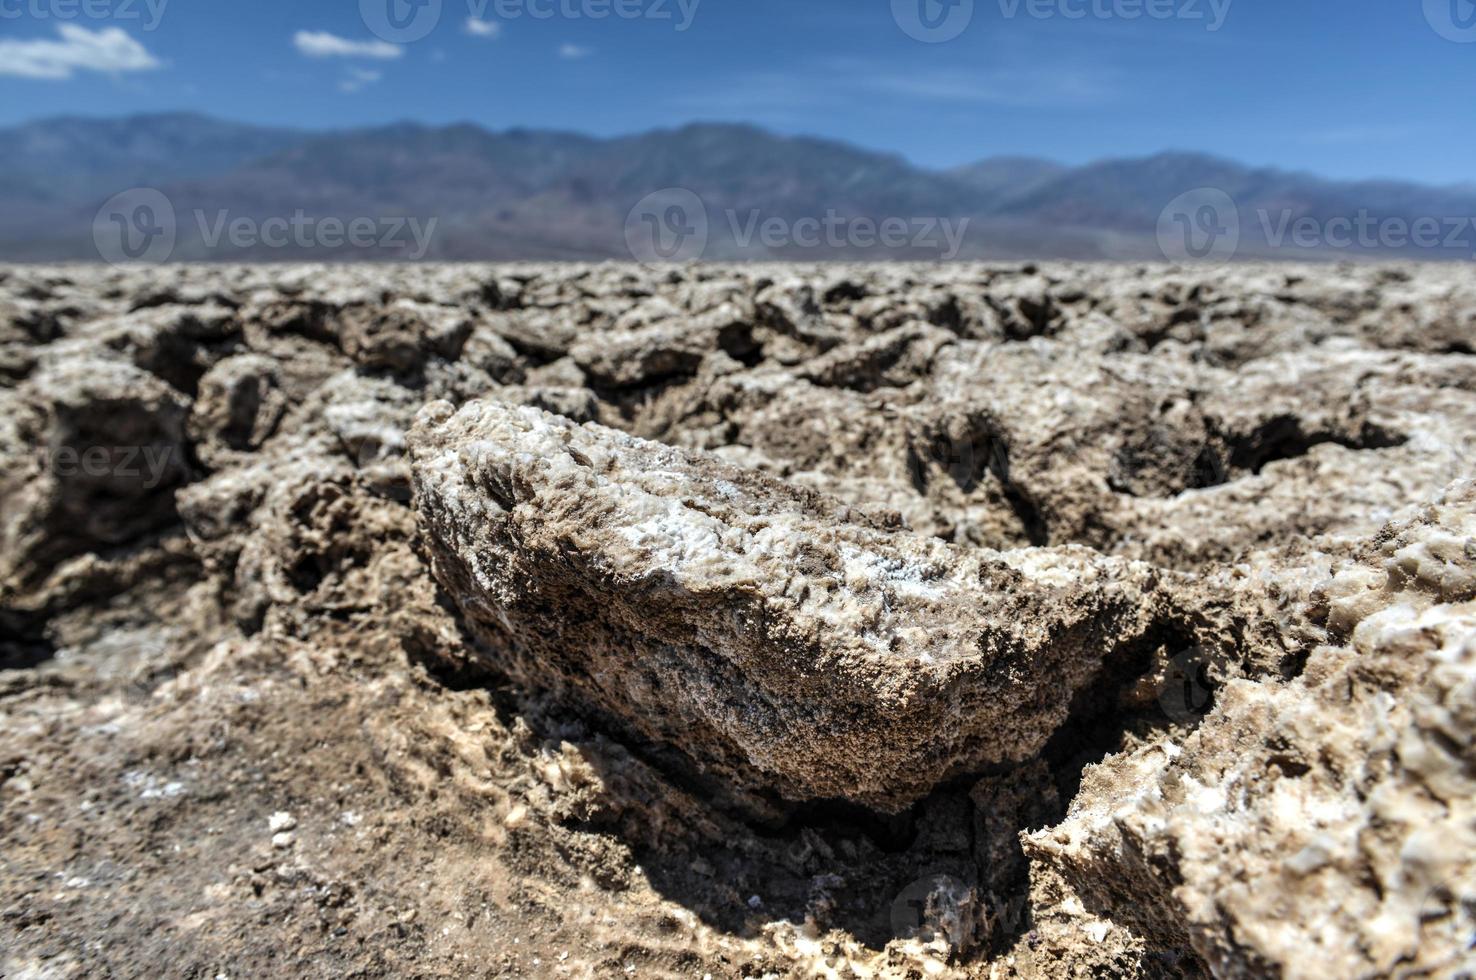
(1342, 798)
(106, 449)
(792, 645)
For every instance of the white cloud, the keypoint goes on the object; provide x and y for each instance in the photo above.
(359, 78)
(321, 44)
(110, 50)
(477, 27)
(574, 52)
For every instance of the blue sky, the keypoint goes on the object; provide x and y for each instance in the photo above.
(1347, 88)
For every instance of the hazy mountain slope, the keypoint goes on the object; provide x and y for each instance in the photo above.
(550, 195)
(78, 154)
(1008, 177)
(1129, 195)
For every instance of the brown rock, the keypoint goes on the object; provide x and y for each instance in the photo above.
(776, 637)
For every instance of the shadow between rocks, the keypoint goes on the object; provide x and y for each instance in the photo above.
(831, 864)
(22, 647)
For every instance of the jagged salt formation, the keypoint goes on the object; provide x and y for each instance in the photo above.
(788, 643)
(1325, 827)
(864, 548)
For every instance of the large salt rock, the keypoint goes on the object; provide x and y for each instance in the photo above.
(91, 453)
(788, 645)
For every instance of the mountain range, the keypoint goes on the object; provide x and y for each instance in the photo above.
(539, 194)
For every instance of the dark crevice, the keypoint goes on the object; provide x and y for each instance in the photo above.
(1159, 681)
(537, 354)
(163, 521)
(1037, 531)
(968, 459)
(738, 342)
(630, 402)
(1286, 437)
(893, 833)
(832, 862)
(311, 320)
(23, 641)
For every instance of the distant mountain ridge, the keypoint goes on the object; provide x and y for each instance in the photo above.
(537, 194)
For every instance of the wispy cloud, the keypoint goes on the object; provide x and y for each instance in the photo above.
(842, 83)
(110, 50)
(1025, 87)
(358, 79)
(477, 27)
(573, 52)
(321, 44)
(764, 95)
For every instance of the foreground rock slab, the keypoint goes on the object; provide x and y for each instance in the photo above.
(790, 645)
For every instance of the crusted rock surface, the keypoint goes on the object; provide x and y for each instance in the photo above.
(783, 640)
(744, 621)
(1359, 771)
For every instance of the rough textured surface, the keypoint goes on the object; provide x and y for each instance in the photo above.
(1358, 771)
(895, 621)
(788, 643)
